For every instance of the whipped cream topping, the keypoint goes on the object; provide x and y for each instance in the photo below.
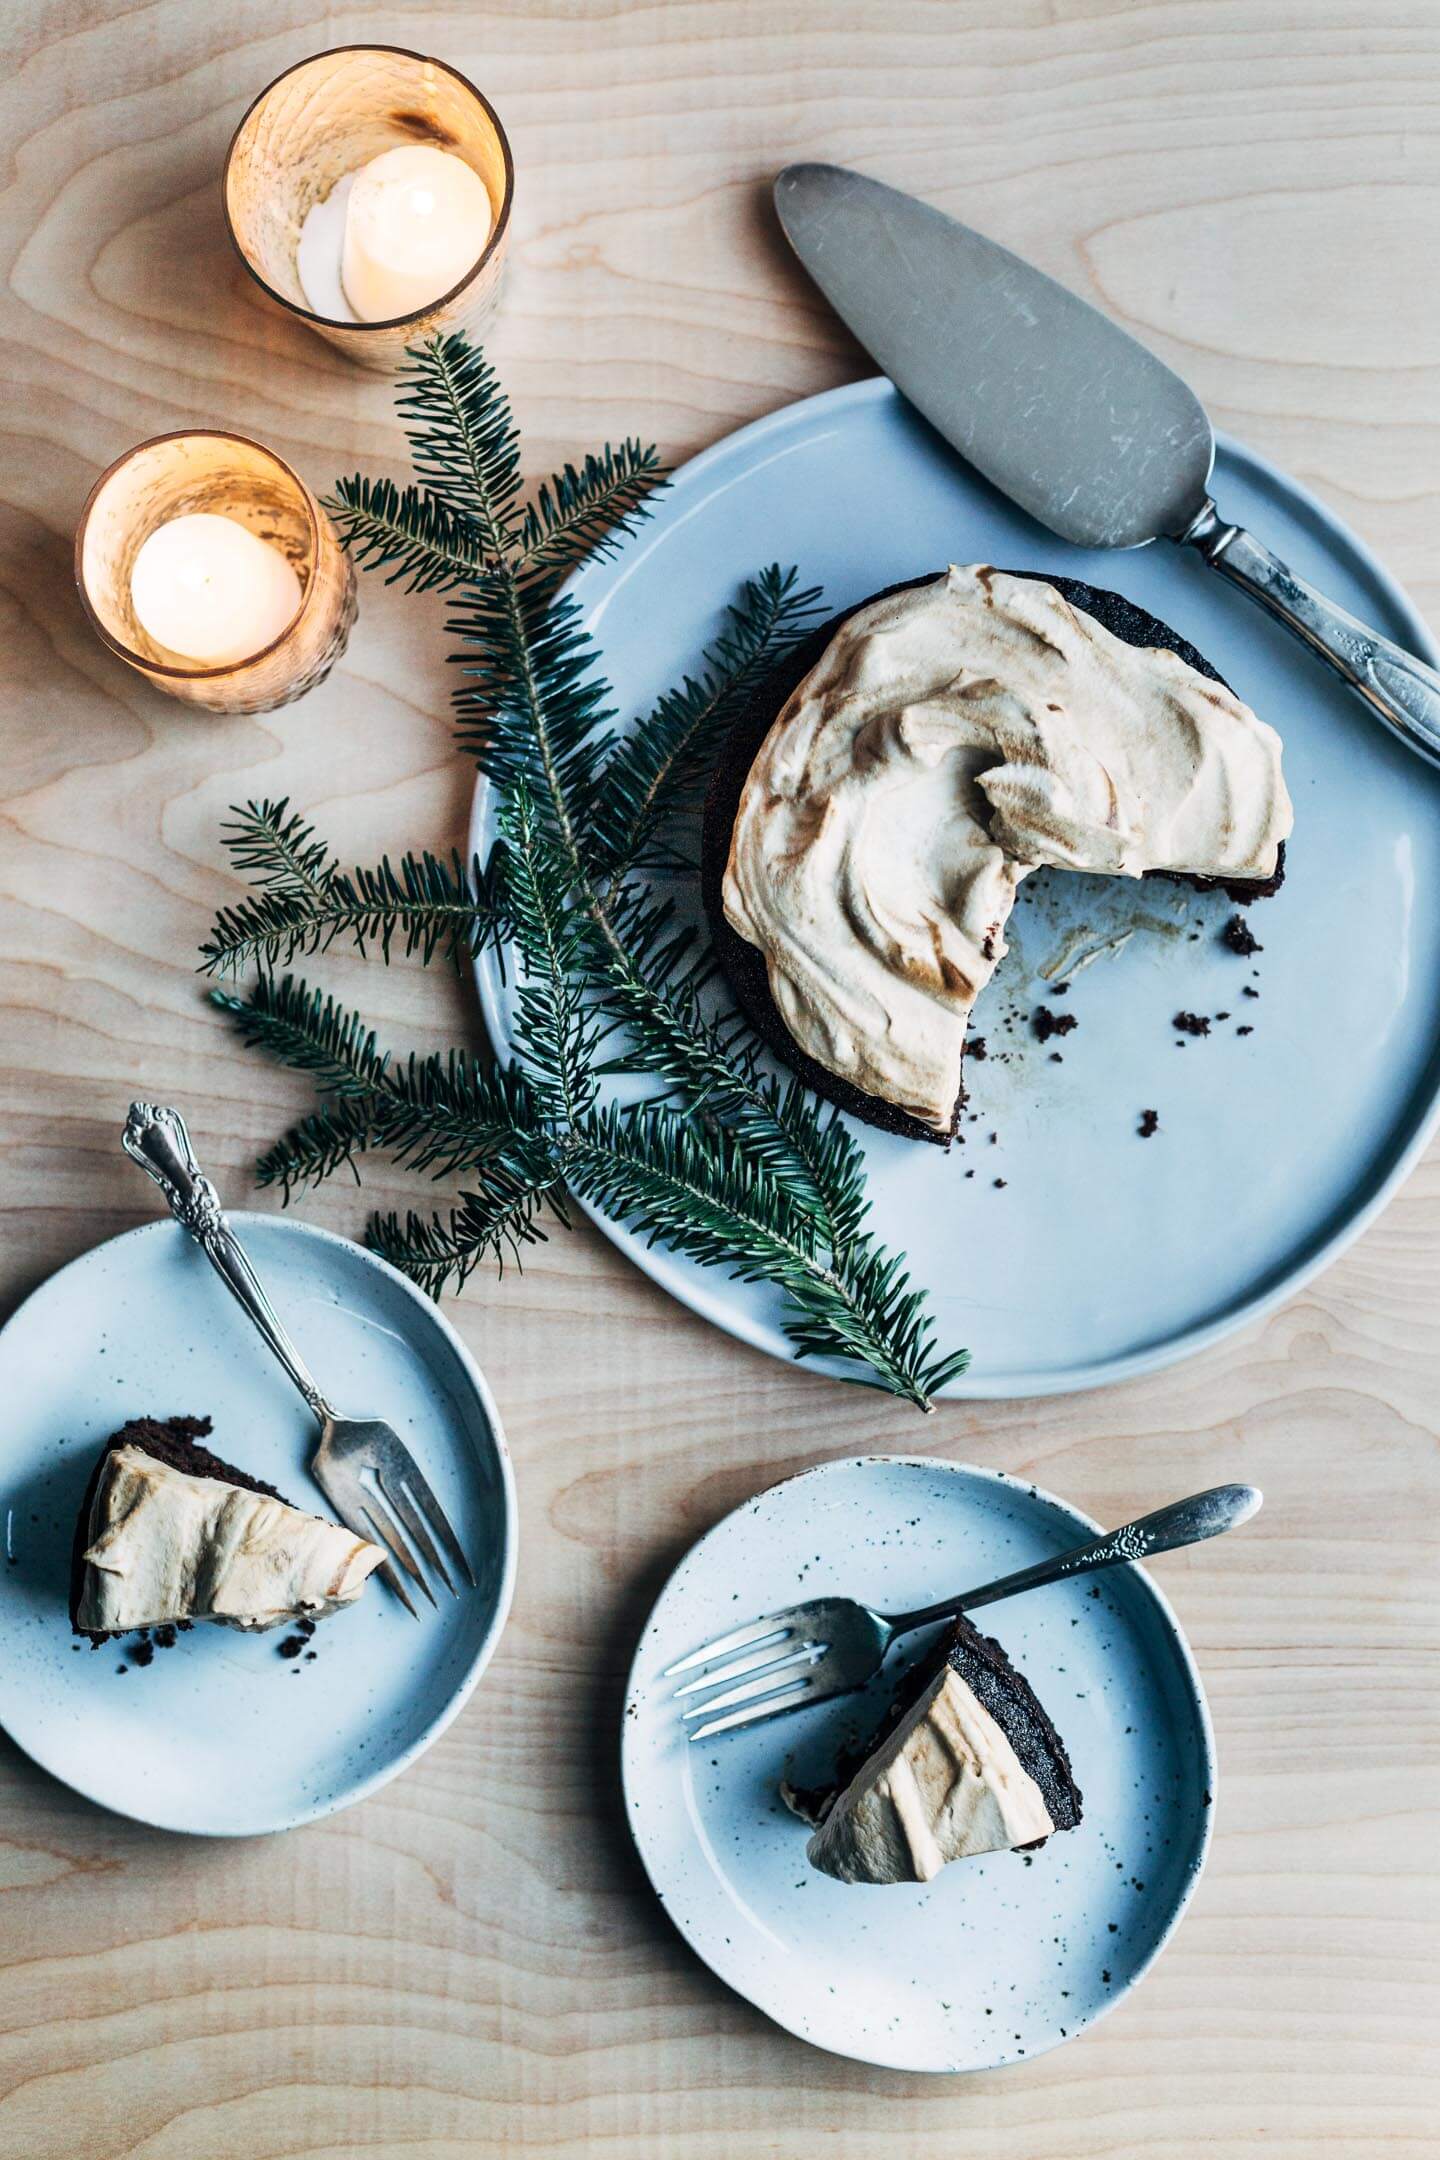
(167, 1546)
(946, 1784)
(950, 739)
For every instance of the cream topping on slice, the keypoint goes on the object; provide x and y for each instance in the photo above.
(166, 1546)
(950, 739)
(945, 1785)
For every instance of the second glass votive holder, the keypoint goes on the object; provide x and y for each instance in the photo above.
(227, 477)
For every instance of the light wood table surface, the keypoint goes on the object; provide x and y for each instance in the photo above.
(471, 1962)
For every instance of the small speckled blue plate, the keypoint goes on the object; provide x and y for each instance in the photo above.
(999, 1958)
(222, 1733)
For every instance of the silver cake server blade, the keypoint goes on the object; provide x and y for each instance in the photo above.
(1061, 409)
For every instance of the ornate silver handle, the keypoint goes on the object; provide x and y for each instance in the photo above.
(1402, 690)
(1184, 1522)
(156, 1138)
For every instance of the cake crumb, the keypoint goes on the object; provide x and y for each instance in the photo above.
(1191, 1023)
(975, 1048)
(1047, 1023)
(1149, 1123)
(1238, 937)
(1244, 1031)
(999, 1184)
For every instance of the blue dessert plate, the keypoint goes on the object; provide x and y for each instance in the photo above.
(1000, 1957)
(226, 1733)
(1057, 1243)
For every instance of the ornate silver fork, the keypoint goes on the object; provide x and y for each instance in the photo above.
(829, 1646)
(363, 1467)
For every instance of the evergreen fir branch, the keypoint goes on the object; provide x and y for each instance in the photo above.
(278, 851)
(445, 1113)
(702, 1195)
(556, 1030)
(655, 770)
(463, 438)
(303, 901)
(448, 1114)
(418, 539)
(310, 1032)
(583, 513)
(653, 978)
(438, 1252)
(732, 1166)
(328, 1139)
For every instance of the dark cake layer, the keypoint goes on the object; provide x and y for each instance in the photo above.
(744, 964)
(174, 1441)
(1004, 1692)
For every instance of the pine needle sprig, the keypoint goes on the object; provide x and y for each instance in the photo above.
(654, 772)
(303, 901)
(418, 539)
(729, 1164)
(580, 513)
(702, 1195)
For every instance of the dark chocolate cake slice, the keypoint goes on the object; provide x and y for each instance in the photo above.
(964, 1761)
(744, 964)
(168, 1531)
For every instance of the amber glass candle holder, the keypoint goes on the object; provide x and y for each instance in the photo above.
(327, 117)
(172, 476)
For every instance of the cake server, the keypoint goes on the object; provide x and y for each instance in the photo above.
(1061, 409)
(362, 1466)
(829, 1646)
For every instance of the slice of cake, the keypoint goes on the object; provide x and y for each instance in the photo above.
(964, 1761)
(168, 1531)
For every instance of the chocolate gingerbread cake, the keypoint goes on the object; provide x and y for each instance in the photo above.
(964, 1761)
(897, 775)
(168, 1531)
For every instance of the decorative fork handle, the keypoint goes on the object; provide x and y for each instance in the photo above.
(156, 1138)
(1184, 1522)
(1400, 689)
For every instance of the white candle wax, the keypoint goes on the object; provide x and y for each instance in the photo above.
(416, 222)
(209, 589)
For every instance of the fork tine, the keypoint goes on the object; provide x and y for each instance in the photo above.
(392, 1581)
(760, 1661)
(742, 1639)
(385, 1533)
(400, 1503)
(357, 1506)
(427, 1505)
(764, 1683)
(771, 1707)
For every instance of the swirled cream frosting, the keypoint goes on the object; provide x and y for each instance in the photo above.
(950, 739)
(167, 1546)
(946, 1785)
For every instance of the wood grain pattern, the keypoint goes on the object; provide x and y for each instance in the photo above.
(470, 1963)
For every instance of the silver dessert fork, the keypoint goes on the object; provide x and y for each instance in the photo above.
(829, 1646)
(363, 1467)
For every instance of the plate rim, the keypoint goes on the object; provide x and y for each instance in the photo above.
(713, 1304)
(1029, 1489)
(360, 1788)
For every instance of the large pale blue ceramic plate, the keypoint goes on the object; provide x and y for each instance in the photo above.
(1102, 1255)
(223, 1734)
(999, 1958)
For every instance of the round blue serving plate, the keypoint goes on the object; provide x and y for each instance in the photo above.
(222, 1735)
(1101, 1255)
(1002, 1957)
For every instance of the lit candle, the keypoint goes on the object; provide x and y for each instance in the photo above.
(394, 237)
(416, 222)
(209, 589)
